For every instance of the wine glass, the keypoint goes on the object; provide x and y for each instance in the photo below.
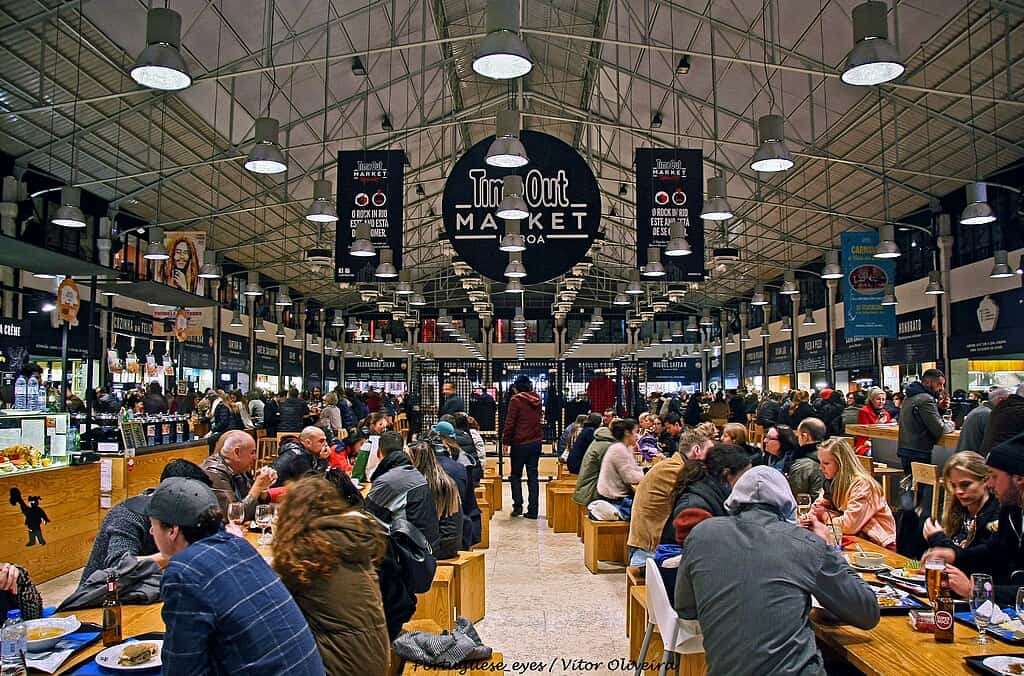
(236, 513)
(803, 505)
(1020, 603)
(981, 604)
(263, 519)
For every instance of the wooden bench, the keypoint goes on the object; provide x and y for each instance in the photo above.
(438, 602)
(485, 524)
(604, 541)
(689, 665)
(483, 496)
(398, 666)
(549, 488)
(634, 578)
(493, 487)
(470, 587)
(581, 515)
(562, 510)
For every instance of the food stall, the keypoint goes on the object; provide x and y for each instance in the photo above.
(266, 366)
(912, 351)
(811, 361)
(43, 338)
(854, 363)
(291, 367)
(670, 375)
(985, 347)
(196, 360)
(780, 366)
(388, 375)
(753, 368)
(233, 371)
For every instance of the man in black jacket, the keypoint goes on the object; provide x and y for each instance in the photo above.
(738, 408)
(400, 491)
(272, 413)
(452, 401)
(1002, 554)
(301, 455)
(292, 413)
(768, 412)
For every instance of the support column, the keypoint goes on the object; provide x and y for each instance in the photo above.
(830, 330)
(9, 277)
(743, 333)
(794, 337)
(943, 302)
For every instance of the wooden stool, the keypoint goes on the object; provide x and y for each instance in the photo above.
(562, 511)
(470, 588)
(493, 489)
(926, 474)
(485, 525)
(438, 602)
(604, 541)
(482, 496)
(581, 515)
(634, 578)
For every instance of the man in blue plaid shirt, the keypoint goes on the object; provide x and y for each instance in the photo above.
(225, 610)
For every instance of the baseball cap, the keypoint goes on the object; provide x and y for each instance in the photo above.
(445, 429)
(178, 501)
(391, 441)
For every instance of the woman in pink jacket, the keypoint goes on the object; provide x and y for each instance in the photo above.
(852, 497)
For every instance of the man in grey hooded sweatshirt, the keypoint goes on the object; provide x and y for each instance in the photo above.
(748, 579)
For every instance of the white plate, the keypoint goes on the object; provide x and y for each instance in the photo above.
(1001, 663)
(870, 569)
(67, 625)
(901, 574)
(108, 658)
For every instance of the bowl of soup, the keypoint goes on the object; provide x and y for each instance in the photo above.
(44, 634)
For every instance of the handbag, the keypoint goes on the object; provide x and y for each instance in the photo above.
(412, 554)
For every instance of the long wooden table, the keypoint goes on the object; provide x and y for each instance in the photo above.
(894, 648)
(891, 432)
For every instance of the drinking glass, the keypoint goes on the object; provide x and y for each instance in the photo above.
(981, 604)
(1020, 603)
(236, 513)
(263, 519)
(933, 569)
(803, 505)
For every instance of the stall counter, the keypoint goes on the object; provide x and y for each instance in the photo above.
(885, 438)
(50, 516)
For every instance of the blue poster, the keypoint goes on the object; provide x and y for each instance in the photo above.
(865, 277)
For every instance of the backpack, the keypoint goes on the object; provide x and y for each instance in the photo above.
(411, 553)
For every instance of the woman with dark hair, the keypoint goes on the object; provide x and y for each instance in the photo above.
(704, 485)
(798, 409)
(779, 443)
(376, 423)
(326, 552)
(446, 498)
(583, 441)
(692, 414)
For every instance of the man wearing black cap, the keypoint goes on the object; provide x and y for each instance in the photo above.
(1002, 555)
(523, 435)
(225, 610)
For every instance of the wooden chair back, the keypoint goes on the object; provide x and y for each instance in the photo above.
(402, 426)
(867, 463)
(927, 474)
(266, 452)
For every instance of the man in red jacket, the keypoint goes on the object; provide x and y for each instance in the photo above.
(523, 437)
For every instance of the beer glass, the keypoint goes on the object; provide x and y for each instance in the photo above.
(981, 604)
(803, 505)
(933, 576)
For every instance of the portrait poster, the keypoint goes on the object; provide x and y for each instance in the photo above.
(181, 270)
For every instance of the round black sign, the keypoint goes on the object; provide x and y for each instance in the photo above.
(564, 201)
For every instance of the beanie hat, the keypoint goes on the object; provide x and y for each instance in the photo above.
(1008, 456)
(826, 393)
(687, 519)
(523, 383)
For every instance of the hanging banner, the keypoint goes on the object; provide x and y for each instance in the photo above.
(989, 325)
(314, 370)
(370, 190)
(265, 358)
(171, 322)
(811, 353)
(137, 326)
(561, 193)
(915, 339)
(291, 363)
(670, 188)
(374, 370)
(685, 371)
(864, 279)
(234, 353)
(331, 371)
(181, 270)
(69, 299)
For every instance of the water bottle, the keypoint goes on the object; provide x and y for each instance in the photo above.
(14, 646)
(21, 393)
(33, 393)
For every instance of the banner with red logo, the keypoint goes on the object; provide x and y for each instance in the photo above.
(670, 188)
(370, 191)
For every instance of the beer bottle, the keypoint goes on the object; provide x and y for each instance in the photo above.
(944, 611)
(111, 613)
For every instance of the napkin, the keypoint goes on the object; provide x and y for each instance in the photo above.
(997, 616)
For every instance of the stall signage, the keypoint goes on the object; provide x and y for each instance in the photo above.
(292, 363)
(179, 321)
(563, 199)
(69, 299)
(915, 341)
(331, 371)
(384, 370)
(46, 339)
(265, 358)
(197, 351)
(314, 369)
(673, 370)
(370, 190)
(780, 356)
(234, 353)
(137, 326)
(732, 366)
(669, 188)
(853, 353)
(811, 353)
(13, 331)
(989, 325)
(864, 280)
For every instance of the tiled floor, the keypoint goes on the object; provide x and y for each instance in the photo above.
(545, 610)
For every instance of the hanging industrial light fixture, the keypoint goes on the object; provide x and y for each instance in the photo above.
(887, 247)
(705, 347)
(236, 319)
(417, 299)
(512, 206)
(765, 332)
(789, 287)
(666, 337)
(691, 324)
(677, 330)
(300, 333)
(514, 286)
(515, 268)
(353, 326)
(677, 245)
(873, 60)
(258, 326)
(634, 288)
(934, 287)
(503, 54)
(683, 67)
(404, 287)
(977, 211)
(654, 268)
(513, 239)
(283, 297)
(266, 156)
(161, 65)
(279, 333)
(716, 206)
(705, 317)
(1001, 265)
(210, 268)
(385, 268)
(889, 295)
(322, 208)
(252, 285)
(729, 340)
(656, 120)
(362, 246)
(337, 319)
(621, 298)
(758, 298)
(157, 250)
(832, 270)
(809, 318)
(69, 214)
(747, 337)
(772, 155)
(787, 324)
(506, 150)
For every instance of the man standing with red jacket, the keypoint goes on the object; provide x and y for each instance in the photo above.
(523, 436)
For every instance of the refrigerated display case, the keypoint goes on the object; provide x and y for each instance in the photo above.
(35, 440)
